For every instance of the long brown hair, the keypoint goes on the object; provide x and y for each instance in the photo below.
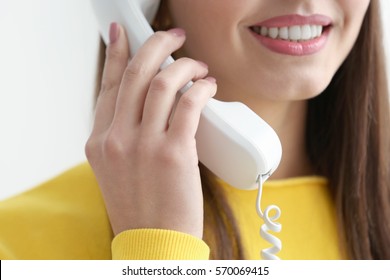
(348, 141)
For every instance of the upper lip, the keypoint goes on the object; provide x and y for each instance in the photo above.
(295, 19)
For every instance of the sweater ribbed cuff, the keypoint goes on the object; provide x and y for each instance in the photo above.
(158, 244)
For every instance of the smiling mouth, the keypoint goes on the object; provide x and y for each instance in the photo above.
(295, 33)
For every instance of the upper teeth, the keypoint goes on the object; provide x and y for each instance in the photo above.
(292, 33)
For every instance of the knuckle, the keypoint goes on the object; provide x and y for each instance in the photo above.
(171, 157)
(107, 86)
(160, 83)
(135, 68)
(113, 53)
(187, 102)
(91, 148)
(113, 146)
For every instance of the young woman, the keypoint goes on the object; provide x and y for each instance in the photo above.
(314, 70)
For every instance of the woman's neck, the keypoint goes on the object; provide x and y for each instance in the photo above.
(290, 125)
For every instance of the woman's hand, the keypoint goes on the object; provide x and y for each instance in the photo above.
(144, 159)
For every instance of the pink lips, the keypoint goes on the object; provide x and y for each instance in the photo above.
(295, 48)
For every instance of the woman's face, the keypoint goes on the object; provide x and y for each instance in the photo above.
(269, 49)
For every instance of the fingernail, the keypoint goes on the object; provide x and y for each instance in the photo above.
(211, 80)
(177, 31)
(114, 32)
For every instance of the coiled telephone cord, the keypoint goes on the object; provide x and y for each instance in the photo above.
(270, 224)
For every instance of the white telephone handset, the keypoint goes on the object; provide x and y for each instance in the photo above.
(232, 141)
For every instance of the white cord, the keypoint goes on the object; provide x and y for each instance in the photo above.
(269, 224)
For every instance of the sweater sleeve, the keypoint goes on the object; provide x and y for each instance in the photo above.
(158, 244)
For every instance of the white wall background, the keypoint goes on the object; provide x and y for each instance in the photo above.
(48, 51)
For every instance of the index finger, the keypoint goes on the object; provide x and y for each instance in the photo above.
(141, 70)
(117, 56)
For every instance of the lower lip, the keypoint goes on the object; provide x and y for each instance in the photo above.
(294, 48)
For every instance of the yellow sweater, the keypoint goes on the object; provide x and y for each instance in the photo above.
(65, 218)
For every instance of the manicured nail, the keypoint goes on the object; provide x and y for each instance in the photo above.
(114, 32)
(211, 80)
(177, 31)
